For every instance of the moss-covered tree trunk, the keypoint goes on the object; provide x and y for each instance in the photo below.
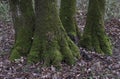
(67, 16)
(51, 44)
(94, 37)
(23, 19)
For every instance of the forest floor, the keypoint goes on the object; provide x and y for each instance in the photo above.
(100, 67)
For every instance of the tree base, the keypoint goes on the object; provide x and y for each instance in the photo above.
(97, 42)
(54, 51)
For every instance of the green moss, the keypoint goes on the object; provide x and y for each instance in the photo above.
(66, 52)
(56, 57)
(47, 52)
(94, 37)
(86, 41)
(24, 25)
(53, 53)
(106, 45)
(15, 54)
(52, 57)
(74, 48)
(67, 16)
(33, 57)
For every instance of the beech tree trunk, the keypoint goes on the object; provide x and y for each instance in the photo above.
(94, 36)
(23, 20)
(67, 16)
(50, 43)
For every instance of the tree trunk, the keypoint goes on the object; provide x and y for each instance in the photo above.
(94, 37)
(67, 16)
(50, 44)
(23, 20)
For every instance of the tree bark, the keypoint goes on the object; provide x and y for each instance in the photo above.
(51, 44)
(94, 37)
(23, 20)
(67, 16)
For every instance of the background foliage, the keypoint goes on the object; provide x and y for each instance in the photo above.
(4, 11)
(112, 9)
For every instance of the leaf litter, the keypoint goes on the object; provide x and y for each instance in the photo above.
(99, 67)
